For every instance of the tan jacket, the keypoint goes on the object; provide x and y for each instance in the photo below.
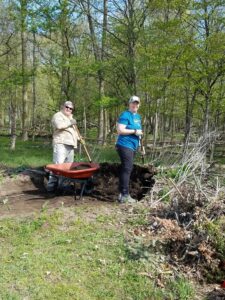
(63, 133)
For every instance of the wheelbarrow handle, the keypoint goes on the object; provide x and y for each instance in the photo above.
(80, 137)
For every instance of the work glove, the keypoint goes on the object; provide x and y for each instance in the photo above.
(82, 141)
(73, 122)
(138, 132)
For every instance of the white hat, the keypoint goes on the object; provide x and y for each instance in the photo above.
(69, 104)
(134, 99)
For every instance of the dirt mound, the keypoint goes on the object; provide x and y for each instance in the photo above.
(189, 231)
(106, 181)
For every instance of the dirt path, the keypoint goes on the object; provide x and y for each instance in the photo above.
(22, 196)
(25, 193)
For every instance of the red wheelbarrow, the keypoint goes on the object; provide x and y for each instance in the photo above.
(76, 172)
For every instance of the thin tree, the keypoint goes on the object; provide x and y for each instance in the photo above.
(23, 35)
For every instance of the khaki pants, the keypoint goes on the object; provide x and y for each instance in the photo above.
(61, 154)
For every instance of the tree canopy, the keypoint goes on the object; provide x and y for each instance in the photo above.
(98, 53)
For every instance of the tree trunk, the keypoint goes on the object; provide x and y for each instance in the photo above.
(99, 54)
(66, 53)
(86, 94)
(188, 119)
(131, 47)
(2, 113)
(84, 121)
(34, 84)
(146, 119)
(206, 115)
(64, 71)
(102, 133)
(24, 70)
(106, 124)
(156, 124)
(101, 124)
(12, 122)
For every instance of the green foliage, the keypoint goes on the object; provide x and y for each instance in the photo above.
(107, 102)
(140, 219)
(167, 52)
(139, 251)
(181, 289)
(163, 194)
(139, 216)
(215, 230)
(174, 288)
(171, 172)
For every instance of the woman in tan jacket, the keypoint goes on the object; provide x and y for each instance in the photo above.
(65, 139)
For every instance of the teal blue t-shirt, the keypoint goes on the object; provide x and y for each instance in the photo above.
(132, 121)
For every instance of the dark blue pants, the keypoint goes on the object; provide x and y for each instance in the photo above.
(127, 157)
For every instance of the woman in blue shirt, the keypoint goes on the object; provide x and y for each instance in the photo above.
(129, 132)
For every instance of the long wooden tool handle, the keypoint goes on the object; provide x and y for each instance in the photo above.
(142, 150)
(85, 148)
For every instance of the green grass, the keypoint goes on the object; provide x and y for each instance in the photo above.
(29, 153)
(56, 257)
(53, 256)
(40, 261)
(39, 153)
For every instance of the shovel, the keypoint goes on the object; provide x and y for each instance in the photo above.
(82, 142)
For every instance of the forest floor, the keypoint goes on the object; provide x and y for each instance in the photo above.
(55, 247)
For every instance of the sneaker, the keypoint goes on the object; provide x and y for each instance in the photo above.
(127, 199)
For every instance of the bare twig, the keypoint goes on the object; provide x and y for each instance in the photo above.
(176, 187)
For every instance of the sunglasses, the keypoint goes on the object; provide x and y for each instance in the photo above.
(70, 108)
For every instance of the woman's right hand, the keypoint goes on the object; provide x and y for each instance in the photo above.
(138, 132)
(73, 122)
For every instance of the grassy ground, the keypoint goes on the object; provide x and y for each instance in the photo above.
(80, 252)
(39, 153)
(74, 253)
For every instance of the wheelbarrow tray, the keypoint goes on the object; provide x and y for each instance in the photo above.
(75, 170)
